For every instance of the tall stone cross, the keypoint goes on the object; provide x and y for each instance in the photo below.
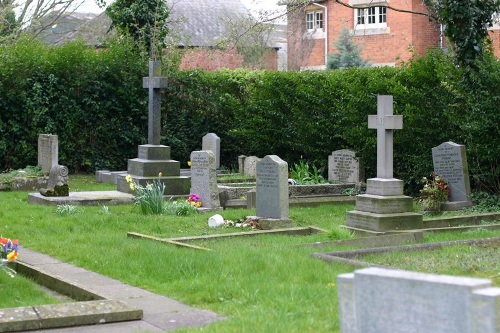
(385, 123)
(154, 83)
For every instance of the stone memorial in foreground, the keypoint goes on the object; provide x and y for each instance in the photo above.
(386, 300)
(450, 162)
(212, 142)
(153, 161)
(384, 207)
(48, 152)
(204, 178)
(272, 203)
(343, 167)
(57, 185)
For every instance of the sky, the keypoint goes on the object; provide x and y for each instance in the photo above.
(254, 5)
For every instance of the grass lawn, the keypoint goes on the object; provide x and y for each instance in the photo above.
(261, 284)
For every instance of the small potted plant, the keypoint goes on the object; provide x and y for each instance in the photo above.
(435, 191)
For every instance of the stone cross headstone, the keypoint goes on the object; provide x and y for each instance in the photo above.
(343, 167)
(154, 83)
(212, 142)
(385, 123)
(57, 185)
(450, 162)
(386, 300)
(204, 178)
(48, 152)
(272, 188)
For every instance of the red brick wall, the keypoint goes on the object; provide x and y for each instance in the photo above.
(495, 38)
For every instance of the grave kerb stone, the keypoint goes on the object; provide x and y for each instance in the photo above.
(154, 83)
(204, 178)
(48, 152)
(212, 142)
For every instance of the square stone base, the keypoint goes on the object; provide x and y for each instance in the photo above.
(179, 185)
(455, 205)
(152, 168)
(383, 186)
(384, 222)
(384, 204)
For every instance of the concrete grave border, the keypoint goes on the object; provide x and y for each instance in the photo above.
(97, 309)
(182, 241)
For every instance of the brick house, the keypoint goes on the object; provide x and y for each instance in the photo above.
(386, 36)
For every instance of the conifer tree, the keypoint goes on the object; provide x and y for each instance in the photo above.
(348, 55)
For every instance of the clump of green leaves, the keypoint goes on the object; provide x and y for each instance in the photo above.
(64, 210)
(29, 171)
(485, 202)
(149, 198)
(180, 208)
(305, 174)
(339, 233)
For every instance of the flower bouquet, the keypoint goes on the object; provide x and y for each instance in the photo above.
(435, 191)
(8, 253)
(194, 200)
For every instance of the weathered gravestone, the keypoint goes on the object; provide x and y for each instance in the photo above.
(376, 300)
(343, 167)
(204, 178)
(212, 142)
(48, 152)
(57, 185)
(247, 165)
(450, 162)
(153, 161)
(384, 207)
(272, 204)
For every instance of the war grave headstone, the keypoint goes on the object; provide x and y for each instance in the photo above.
(271, 205)
(212, 142)
(384, 207)
(386, 300)
(48, 152)
(153, 161)
(344, 167)
(204, 179)
(57, 185)
(450, 162)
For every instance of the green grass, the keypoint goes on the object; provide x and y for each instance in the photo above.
(261, 284)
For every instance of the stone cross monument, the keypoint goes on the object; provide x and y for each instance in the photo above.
(153, 162)
(384, 207)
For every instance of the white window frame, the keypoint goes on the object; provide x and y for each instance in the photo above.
(373, 17)
(314, 20)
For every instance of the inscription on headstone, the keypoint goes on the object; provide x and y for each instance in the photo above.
(212, 142)
(48, 152)
(343, 167)
(204, 178)
(450, 162)
(272, 188)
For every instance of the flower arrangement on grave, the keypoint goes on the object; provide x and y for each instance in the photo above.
(194, 200)
(150, 197)
(436, 190)
(8, 253)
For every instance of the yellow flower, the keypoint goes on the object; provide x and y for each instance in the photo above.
(132, 186)
(12, 256)
(160, 174)
(198, 204)
(189, 163)
(128, 178)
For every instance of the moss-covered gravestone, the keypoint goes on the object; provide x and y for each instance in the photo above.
(57, 185)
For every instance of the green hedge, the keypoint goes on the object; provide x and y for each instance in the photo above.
(96, 104)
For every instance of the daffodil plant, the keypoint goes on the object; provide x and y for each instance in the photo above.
(150, 197)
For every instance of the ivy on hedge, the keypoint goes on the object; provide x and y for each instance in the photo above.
(95, 102)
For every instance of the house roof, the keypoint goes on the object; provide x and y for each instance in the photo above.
(203, 23)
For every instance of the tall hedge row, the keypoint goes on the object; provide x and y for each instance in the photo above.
(96, 104)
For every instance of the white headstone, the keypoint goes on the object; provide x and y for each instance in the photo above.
(343, 167)
(212, 142)
(272, 188)
(386, 300)
(204, 178)
(450, 162)
(48, 152)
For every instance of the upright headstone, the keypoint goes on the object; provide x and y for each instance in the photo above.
(272, 203)
(450, 162)
(343, 167)
(212, 142)
(204, 178)
(384, 207)
(387, 300)
(153, 161)
(48, 152)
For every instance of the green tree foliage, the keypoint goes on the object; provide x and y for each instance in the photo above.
(144, 20)
(348, 55)
(467, 23)
(8, 22)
